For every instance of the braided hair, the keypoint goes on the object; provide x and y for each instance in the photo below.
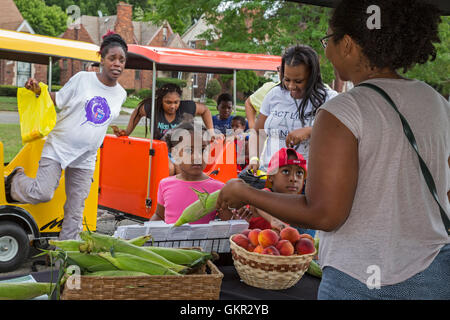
(110, 40)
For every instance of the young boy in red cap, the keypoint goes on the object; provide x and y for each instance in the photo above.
(286, 174)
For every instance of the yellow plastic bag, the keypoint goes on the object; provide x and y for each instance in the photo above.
(37, 114)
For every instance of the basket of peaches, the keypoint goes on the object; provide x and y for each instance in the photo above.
(270, 260)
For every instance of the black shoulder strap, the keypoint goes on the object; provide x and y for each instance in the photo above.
(412, 140)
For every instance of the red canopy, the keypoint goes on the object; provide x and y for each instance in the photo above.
(194, 60)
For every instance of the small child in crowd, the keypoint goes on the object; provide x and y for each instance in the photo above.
(238, 124)
(222, 120)
(286, 174)
(174, 192)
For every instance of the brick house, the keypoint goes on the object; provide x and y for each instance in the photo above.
(91, 29)
(192, 38)
(16, 73)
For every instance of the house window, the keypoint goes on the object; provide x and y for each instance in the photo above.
(195, 80)
(164, 33)
(191, 44)
(137, 75)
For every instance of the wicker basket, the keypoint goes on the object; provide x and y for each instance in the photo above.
(267, 271)
(202, 286)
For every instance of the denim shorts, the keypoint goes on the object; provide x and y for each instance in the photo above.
(431, 284)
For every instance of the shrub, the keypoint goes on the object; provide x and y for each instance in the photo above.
(8, 91)
(144, 93)
(213, 88)
(162, 81)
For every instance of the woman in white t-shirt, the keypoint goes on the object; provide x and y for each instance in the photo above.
(288, 110)
(382, 234)
(89, 101)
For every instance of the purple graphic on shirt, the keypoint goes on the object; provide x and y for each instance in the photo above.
(97, 111)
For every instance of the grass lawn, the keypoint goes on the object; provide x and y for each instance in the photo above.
(11, 139)
(8, 103)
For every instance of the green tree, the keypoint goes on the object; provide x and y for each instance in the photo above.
(437, 73)
(258, 26)
(213, 88)
(46, 20)
(246, 81)
(107, 7)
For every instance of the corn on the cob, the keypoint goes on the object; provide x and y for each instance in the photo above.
(25, 290)
(117, 273)
(140, 241)
(205, 204)
(129, 262)
(89, 262)
(180, 256)
(314, 269)
(66, 245)
(101, 242)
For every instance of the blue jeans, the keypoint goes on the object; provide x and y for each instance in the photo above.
(301, 230)
(431, 284)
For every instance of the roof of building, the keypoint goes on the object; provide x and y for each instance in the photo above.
(144, 31)
(10, 16)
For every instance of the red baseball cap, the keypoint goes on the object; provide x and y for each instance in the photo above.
(280, 159)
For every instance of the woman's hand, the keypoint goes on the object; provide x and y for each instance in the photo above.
(297, 136)
(278, 224)
(119, 132)
(230, 196)
(244, 213)
(33, 85)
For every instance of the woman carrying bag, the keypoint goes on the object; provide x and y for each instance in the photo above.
(89, 101)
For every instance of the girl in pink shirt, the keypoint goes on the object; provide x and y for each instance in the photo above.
(174, 192)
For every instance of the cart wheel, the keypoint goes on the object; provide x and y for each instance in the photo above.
(14, 246)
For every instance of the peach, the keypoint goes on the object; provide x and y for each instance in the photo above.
(290, 234)
(246, 232)
(253, 236)
(241, 240)
(305, 235)
(259, 249)
(271, 250)
(304, 246)
(250, 247)
(285, 247)
(268, 238)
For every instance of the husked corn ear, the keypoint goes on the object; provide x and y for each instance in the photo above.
(103, 242)
(24, 291)
(129, 262)
(205, 204)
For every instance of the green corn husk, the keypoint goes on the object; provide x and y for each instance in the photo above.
(140, 241)
(129, 262)
(117, 273)
(205, 204)
(100, 242)
(24, 291)
(314, 269)
(186, 257)
(87, 262)
(66, 245)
